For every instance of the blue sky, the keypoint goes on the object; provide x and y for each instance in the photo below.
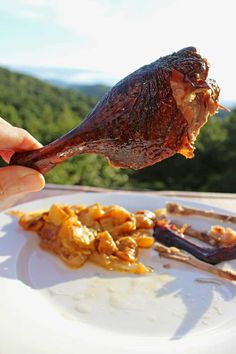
(108, 39)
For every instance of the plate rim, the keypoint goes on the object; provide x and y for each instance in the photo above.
(188, 201)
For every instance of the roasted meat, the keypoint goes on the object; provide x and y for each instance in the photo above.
(152, 114)
(168, 236)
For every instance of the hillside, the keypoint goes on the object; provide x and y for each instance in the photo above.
(31, 103)
(96, 90)
(48, 112)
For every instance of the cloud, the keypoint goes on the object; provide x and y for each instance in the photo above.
(32, 15)
(67, 75)
(119, 36)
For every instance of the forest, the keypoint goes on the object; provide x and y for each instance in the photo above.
(48, 111)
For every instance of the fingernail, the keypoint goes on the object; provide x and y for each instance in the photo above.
(31, 183)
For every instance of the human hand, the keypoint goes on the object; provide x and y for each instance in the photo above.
(15, 180)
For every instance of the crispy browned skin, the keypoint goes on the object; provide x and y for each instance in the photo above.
(140, 121)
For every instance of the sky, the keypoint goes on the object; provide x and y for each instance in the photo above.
(105, 40)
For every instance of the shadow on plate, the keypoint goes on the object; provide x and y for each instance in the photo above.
(25, 261)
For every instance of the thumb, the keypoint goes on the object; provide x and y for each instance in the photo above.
(18, 179)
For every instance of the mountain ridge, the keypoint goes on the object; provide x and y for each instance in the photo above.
(85, 80)
(48, 111)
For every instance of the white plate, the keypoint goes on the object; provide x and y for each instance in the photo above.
(47, 308)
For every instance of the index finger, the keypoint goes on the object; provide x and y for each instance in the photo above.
(16, 139)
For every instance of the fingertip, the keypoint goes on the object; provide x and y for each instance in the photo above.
(28, 142)
(32, 182)
(18, 180)
(41, 181)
